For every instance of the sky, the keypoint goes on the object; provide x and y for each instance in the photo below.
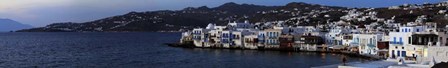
(39, 13)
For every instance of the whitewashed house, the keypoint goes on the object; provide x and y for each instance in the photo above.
(367, 43)
(200, 37)
(401, 38)
(272, 38)
(226, 39)
(412, 42)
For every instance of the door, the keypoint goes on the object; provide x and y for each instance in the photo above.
(403, 53)
(393, 54)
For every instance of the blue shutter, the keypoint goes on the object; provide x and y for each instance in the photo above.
(403, 53)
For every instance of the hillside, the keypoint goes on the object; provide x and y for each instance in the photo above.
(294, 14)
(7, 25)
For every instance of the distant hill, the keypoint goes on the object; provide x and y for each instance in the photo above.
(7, 25)
(294, 14)
(175, 20)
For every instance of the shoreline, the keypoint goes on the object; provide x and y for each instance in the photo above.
(348, 54)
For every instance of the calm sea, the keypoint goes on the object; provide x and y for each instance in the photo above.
(139, 50)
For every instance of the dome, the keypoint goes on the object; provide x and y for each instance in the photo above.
(210, 26)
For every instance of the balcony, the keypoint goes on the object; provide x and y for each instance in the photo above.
(273, 37)
(196, 33)
(398, 43)
(371, 45)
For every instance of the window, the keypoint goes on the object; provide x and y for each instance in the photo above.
(409, 40)
(405, 30)
(269, 34)
(418, 30)
(395, 39)
(401, 41)
(409, 30)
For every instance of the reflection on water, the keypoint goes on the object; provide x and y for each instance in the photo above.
(141, 50)
(257, 58)
(323, 55)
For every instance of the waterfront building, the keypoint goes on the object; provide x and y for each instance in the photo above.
(334, 35)
(383, 49)
(412, 42)
(367, 43)
(397, 43)
(286, 41)
(401, 38)
(347, 39)
(200, 37)
(272, 38)
(251, 41)
(214, 34)
(237, 37)
(226, 39)
(420, 42)
(186, 38)
(435, 55)
(261, 38)
(215, 38)
(308, 42)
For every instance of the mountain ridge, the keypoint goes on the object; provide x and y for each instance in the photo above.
(294, 13)
(11, 25)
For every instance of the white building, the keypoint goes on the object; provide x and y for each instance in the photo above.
(200, 37)
(347, 39)
(334, 37)
(367, 43)
(272, 37)
(411, 42)
(239, 26)
(237, 37)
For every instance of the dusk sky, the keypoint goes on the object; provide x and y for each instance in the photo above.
(43, 12)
